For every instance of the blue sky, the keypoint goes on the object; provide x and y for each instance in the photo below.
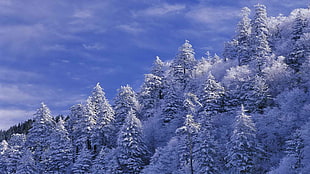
(55, 51)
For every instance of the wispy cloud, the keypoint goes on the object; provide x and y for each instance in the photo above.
(162, 9)
(131, 28)
(14, 75)
(14, 94)
(208, 15)
(82, 14)
(10, 117)
(94, 46)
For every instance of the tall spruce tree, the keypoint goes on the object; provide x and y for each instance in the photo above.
(83, 127)
(261, 50)
(297, 56)
(39, 135)
(165, 159)
(14, 152)
(59, 154)
(158, 68)
(206, 152)
(26, 165)
(243, 148)
(132, 152)
(4, 147)
(150, 95)
(187, 135)
(295, 146)
(183, 65)
(103, 115)
(83, 163)
(243, 38)
(125, 102)
(212, 95)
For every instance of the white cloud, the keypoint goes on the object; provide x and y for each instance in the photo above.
(212, 16)
(56, 47)
(14, 94)
(161, 10)
(13, 75)
(82, 14)
(10, 117)
(131, 28)
(95, 46)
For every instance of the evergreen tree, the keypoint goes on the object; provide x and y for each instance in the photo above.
(260, 46)
(82, 128)
(39, 135)
(103, 162)
(295, 147)
(3, 155)
(125, 101)
(150, 95)
(243, 38)
(305, 132)
(165, 159)
(132, 152)
(26, 165)
(206, 148)
(103, 115)
(59, 154)
(183, 65)
(244, 87)
(158, 68)
(187, 135)
(297, 55)
(192, 104)
(230, 49)
(14, 152)
(238, 84)
(83, 162)
(243, 148)
(172, 105)
(212, 95)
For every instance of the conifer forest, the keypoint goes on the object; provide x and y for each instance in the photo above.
(244, 111)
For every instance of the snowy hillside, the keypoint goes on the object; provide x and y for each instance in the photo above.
(244, 112)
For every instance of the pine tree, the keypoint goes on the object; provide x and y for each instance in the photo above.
(212, 95)
(150, 95)
(39, 135)
(259, 95)
(158, 68)
(243, 38)
(297, 55)
(187, 135)
(102, 163)
(260, 46)
(238, 84)
(206, 153)
(132, 152)
(59, 154)
(172, 105)
(305, 132)
(14, 152)
(230, 49)
(3, 155)
(165, 159)
(82, 128)
(26, 165)
(83, 162)
(295, 147)
(183, 65)
(103, 115)
(125, 101)
(243, 148)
